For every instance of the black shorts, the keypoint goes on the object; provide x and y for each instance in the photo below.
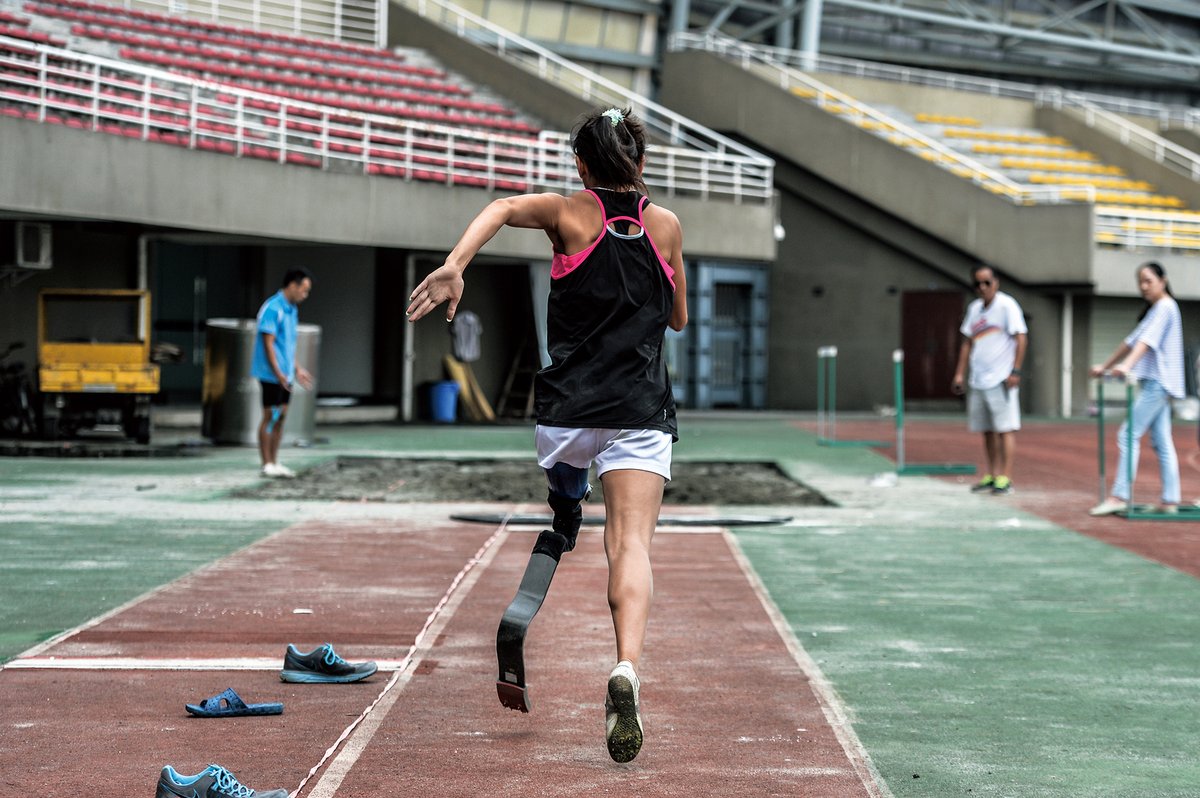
(274, 394)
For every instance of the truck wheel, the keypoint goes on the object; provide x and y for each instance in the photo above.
(143, 430)
(50, 428)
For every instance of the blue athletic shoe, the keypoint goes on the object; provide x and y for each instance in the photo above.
(212, 782)
(322, 666)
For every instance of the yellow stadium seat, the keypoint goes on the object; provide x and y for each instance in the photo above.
(943, 119)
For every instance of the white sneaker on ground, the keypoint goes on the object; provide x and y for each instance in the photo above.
(283, 471)
(622, 713)
(1109, 506)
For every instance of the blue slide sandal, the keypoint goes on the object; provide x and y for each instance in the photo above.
(230, 705)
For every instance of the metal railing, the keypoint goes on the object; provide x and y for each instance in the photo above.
(358, 21)
(49, 84)
(1176, 158)
(1098, 110)
(790, 77)
(1178, 230)
(852, 67)
(741, 165)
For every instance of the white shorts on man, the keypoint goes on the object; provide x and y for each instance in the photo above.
(611, 449)
(995, 409)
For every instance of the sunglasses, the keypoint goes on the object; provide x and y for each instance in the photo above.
(982, 283)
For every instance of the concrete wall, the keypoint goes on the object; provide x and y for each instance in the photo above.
(1116, 270)
(1185, 137)
(1017, 239)
(840, 278)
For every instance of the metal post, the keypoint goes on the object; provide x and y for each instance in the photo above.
(1129, 437)
(898, 380)
(1100, 435)
(820, 394)
(810, 35)
(1068, 345)
(832, 384)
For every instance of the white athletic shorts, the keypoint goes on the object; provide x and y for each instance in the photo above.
(611, 449)
(994, 409)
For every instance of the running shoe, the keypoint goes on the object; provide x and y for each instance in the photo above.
(322, 665)
(278, 471)
(1002, 487)
(984, 485)
(212, 782)
(623, 716)
(1109, 506)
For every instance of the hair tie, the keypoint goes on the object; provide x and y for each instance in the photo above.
(614, 116)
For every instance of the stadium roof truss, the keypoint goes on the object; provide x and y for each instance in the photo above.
(1136, 41)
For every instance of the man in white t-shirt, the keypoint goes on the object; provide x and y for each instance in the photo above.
(994, 339)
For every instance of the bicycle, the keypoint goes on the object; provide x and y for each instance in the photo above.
(17, 415)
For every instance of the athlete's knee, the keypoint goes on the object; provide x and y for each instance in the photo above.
(275, 418)
(569, 488)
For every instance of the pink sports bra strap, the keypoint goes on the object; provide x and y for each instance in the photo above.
(666, 267)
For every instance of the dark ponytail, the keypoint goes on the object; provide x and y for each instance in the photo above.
(612, 144)
(1161, 274)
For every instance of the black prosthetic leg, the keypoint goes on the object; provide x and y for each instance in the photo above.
(510, 639)
(568, 488)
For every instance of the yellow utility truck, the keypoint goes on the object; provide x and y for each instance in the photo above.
(94, 368)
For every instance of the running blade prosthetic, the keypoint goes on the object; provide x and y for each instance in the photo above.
(510, 638)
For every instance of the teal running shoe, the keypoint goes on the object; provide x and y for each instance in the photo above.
(212, 782)
(322, 665)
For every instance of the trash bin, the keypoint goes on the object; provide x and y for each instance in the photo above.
(445, 401)
(232, 397)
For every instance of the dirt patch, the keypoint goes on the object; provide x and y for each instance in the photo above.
(379, 479)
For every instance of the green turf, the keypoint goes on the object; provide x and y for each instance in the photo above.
(983, 658)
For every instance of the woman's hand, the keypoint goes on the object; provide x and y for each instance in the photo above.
(444, 284)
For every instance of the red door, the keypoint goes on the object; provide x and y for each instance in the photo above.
(929, 322)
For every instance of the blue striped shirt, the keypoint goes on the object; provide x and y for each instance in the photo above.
(1162, 331)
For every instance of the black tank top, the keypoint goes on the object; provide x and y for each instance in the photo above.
(609, 308)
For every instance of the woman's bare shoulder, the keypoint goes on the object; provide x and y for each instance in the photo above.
(662, 222)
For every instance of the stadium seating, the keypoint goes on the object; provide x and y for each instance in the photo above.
(321, 87)
(974, 151)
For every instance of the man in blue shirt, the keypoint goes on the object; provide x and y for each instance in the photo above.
(275, 365)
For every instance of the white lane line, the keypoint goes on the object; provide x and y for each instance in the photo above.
(364, 727)
(827, 697)
(135, 664)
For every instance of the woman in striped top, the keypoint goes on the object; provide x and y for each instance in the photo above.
(1153, 355)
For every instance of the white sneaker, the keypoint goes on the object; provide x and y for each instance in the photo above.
(622, 713)
(278, 471)
(1109, 506)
